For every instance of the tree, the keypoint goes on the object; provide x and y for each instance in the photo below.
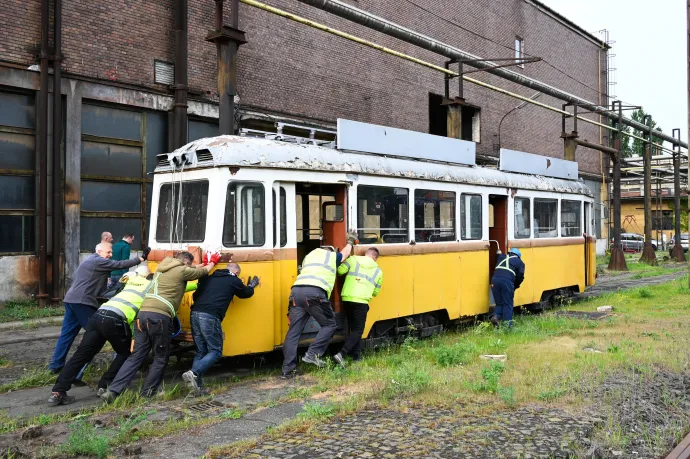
(637, 148)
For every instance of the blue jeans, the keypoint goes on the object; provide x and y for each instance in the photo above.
(504, 291)
(208, 339)
(76, 317)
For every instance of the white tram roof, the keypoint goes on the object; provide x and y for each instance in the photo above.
(239, 151)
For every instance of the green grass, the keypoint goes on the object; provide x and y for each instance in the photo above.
(35, 377)
(18, 310)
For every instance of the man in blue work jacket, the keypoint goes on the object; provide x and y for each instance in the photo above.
(509, 274)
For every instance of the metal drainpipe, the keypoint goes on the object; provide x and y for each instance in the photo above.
(180, 109)
(43, 157)
(57, 152)
(392, 29)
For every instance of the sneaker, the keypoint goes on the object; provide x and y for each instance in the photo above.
(340, 359)
(314, 360)
(109, 396)
(289, 375)
(101, 391)
(494, 321)
(60, 398)
(191, 379)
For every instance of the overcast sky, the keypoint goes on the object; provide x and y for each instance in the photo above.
(650, 48)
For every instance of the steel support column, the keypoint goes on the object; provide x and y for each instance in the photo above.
(227, 40)
(617, 261)
(180, 108)
(677, 253)
(43, 157)
(648, 254)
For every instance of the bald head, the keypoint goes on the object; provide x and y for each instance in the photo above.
(104, 250)
(234, 268)
(373, 253)
(106, 237)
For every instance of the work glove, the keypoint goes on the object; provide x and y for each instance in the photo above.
(253, 282)
(214, 258)
(352, 238)
(146, 252)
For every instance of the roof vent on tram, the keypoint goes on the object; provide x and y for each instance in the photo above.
(203, 156)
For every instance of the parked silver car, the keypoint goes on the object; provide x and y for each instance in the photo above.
(631, 242)
(683, 243)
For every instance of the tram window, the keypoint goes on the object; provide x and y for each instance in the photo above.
(182, 212)
(545, 218)
(283, 218)
(382, 215)
(471, 216)
(570, 218)
(434, 215)
(522, 218)
(244, 215)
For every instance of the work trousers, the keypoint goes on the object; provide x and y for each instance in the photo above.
(356, 319)
(151, 331)
(208, 339)
(103, 326)
(307, 301)
(504, 291)
(76, 317)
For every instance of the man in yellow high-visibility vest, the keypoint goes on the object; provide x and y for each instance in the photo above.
(112, 324)
(362, 282)
(309, 297)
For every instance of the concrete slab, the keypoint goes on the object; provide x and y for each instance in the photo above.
(29, 403)
(35, 334)
(27, 323)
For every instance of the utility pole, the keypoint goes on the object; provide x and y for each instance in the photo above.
(617, 260)
(677, 252)
(648, 254)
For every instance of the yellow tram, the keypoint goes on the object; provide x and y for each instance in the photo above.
(437, 226)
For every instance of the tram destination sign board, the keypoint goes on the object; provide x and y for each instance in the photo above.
(383, 140)
(529, 163)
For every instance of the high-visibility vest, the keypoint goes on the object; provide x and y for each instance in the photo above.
(318, 270)
(361, 283)
(128, 302)
(505, 264)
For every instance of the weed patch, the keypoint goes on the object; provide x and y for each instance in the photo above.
(408, 379)
(315, 410)
(17, 310)
(85, 440)
(35, 377)
(490, 376)
(456, 354)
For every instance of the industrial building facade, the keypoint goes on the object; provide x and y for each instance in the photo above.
(117, 59)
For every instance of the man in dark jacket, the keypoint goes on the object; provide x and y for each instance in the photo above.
(80, 301)
(121, 250)
(509, 274)
(211, 301)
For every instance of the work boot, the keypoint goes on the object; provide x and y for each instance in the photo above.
(191, 379)
(289, 374)
(314, 360)
(109, 396)
(494, 321)
(340, 359)
(60, 398)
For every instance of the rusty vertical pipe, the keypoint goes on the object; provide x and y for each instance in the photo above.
(57, 149)
(180, 109)
(648, 255)
(235, 14)
(677, 253)
(617, 261)
(219, 15)
(42, 123)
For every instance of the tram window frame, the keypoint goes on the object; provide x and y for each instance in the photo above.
(476, 227)
(540, 202)
(571, 231)
(526, 232)
(193, 200)
(445, 233)
(283, 217)
(240, 232)
(377, 194)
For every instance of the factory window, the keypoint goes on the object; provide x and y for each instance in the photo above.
(545, 218)
(570, 218)
(662, 220)
(283, 218)
(244, 223)
(434, 215)
(17, 173)
(182, 212)
(382, 215)
(520, 50)
(522, 218)
(471, 216)
(470, 119)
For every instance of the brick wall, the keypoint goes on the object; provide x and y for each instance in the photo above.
(292, 69)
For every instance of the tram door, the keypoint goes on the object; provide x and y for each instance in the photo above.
(498, 229)
(321, 221)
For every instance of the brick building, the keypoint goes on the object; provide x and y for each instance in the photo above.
(117, 117)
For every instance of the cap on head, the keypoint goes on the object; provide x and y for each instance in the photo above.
(143, 271)
(516, 252)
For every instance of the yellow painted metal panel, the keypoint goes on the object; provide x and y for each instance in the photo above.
(473, 277)
(395, 299)
(436, 285)
(592, 255)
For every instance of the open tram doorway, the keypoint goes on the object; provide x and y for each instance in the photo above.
(321, 221)
(498, 229)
